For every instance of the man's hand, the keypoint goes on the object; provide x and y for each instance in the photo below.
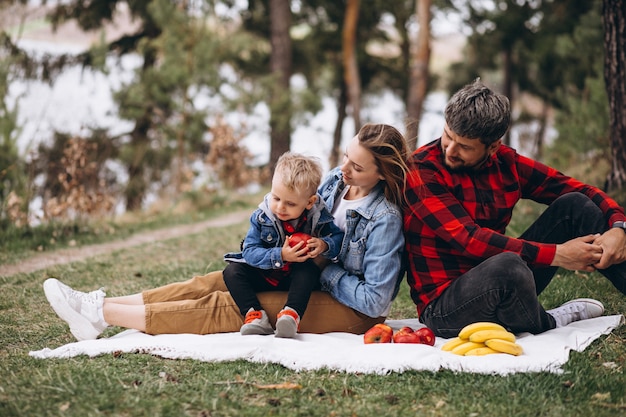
(613, 243)
(580, 254)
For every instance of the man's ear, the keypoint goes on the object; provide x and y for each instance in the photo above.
(494, 147)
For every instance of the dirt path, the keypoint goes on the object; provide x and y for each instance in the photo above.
(64, 256)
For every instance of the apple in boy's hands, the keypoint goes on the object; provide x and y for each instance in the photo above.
(298, 237)
(406, 335)
(426, 335)
(379, 333)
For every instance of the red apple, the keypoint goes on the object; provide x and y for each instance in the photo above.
(406, 335)
(426, 336)
(298, 237)
(379, 333)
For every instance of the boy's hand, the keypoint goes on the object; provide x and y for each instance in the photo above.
(316, 247)
(297, 253)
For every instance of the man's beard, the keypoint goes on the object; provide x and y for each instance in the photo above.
(465, 168)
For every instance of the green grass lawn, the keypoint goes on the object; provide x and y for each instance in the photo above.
(592, 384)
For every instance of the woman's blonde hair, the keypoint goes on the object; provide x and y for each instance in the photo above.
(391, 153)
(299, 173)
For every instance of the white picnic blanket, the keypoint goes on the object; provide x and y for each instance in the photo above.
(347, 352)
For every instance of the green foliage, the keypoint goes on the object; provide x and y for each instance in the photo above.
(13, 175)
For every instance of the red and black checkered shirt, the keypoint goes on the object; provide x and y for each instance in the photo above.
(456, 220)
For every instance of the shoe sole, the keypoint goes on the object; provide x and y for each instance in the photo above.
(65, 312)
(286, 328)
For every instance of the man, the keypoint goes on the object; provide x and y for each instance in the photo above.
(461, 192)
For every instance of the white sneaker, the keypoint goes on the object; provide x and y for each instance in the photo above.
(256, 322)
(575, 310)
(82, 311)
(287, 323)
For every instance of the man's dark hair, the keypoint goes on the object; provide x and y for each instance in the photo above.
(476, 112)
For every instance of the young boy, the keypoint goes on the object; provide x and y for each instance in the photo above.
(268, 262)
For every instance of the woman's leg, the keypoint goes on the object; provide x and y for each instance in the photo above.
(129, 311)
(324, 314)
(130, 316)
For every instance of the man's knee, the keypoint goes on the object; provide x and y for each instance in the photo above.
(509, 267)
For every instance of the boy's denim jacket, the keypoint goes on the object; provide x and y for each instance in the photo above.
(370, 267)
(263, 243)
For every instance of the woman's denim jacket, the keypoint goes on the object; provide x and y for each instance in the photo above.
(263, 243)
(370, 267)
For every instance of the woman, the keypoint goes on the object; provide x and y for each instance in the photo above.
(364, 194)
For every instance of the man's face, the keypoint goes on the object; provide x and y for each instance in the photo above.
(461, 153)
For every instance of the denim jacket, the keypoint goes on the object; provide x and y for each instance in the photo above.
(263, 243)
(370, 268)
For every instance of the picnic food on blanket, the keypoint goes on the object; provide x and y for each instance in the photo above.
(467, 331)
(298, 237)
(379, 333)
(406, 335)
(483, 338)
(427, 336)
(504, 346)
(382, 333)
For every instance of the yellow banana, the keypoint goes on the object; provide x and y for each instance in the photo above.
(452, 343)
(465, 347)
(505, 346)
(484, 335)
(481, 325)
(480, 351)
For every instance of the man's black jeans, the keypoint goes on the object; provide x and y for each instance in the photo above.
(503, 289)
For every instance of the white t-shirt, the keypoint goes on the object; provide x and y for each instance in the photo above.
(339, 210)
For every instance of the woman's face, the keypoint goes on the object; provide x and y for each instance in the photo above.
(359, 166)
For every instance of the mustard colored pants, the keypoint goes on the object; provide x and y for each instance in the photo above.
(203, 305)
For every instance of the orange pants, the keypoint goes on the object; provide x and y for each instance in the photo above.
(203, 305)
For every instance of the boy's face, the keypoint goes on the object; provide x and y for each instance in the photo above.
(287, 204)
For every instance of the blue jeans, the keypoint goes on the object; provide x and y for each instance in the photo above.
(504, 289)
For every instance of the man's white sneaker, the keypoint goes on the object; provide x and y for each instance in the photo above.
(82, 311)
(575, 310)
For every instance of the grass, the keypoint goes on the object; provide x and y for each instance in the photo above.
(143, 385)
(20, 243)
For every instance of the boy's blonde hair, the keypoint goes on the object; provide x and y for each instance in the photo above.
(299, 173)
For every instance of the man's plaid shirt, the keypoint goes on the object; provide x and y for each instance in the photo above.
(456, 220)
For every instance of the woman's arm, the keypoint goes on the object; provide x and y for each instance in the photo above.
(371, 292)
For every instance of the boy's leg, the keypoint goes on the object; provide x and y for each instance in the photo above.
(304, 278)
(243, 282)
(500, 290)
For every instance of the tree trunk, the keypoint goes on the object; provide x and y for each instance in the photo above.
(335, 152)
(614, 12)
(350, 64)
(281, 67)
(508, 85)
(418, 77)
(136, 188)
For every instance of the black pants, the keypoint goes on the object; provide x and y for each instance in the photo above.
(503, 289)
(244, 282)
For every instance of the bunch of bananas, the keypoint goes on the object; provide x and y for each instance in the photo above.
(483, 338)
